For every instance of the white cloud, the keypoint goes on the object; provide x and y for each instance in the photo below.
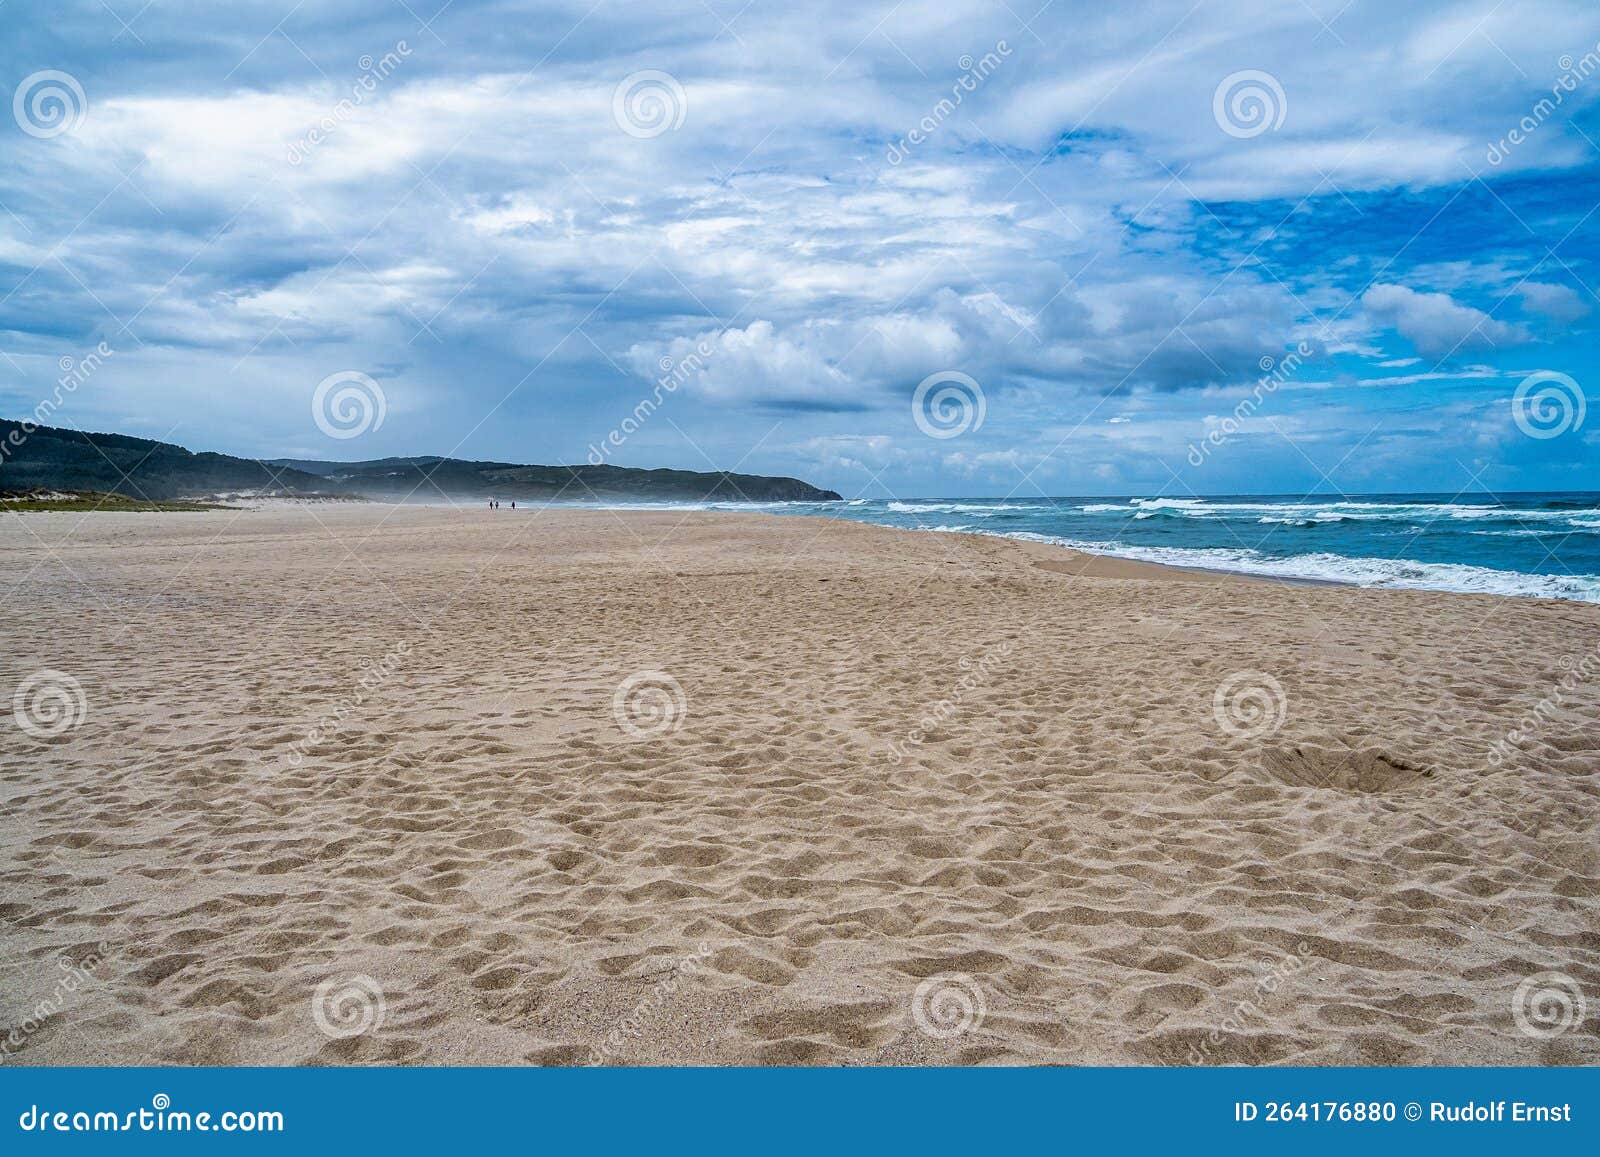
(1559, 303)
(1437, 324)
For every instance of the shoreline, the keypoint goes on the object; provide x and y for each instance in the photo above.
(1170, 569)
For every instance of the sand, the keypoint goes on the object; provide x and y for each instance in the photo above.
(355, 784)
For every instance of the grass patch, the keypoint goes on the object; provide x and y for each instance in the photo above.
(86, 501)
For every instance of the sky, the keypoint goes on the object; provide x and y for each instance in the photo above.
(932, 248)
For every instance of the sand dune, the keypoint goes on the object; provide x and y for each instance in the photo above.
(373, 785)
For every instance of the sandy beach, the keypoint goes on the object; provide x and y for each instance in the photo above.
(362, 784)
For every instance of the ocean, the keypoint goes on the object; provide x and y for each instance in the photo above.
(1545, 545)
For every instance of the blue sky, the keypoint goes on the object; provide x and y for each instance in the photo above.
(532, 209)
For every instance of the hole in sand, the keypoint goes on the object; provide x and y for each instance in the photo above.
(1340, 768)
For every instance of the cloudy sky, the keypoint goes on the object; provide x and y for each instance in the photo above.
(515, 220)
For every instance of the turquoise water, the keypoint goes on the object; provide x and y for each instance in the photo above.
(1545, 545)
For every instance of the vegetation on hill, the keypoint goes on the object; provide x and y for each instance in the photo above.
(430, 476)
(37, 458)
(49, 458)
(87, 501)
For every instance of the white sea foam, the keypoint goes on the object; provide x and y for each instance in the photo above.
(980, 509)
(688, 506)
(1365, 572)
(1556, 532)
(1308, 513)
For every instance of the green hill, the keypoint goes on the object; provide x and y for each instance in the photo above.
(49, 458)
